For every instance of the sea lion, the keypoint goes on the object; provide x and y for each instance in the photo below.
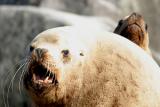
(134, 28)
(81, 67)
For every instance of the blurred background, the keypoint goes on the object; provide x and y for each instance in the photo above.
(22, 20)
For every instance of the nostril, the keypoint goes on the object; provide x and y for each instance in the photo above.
(40, 52)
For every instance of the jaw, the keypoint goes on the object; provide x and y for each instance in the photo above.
(52, 91)
(46, 97)
(41, 81)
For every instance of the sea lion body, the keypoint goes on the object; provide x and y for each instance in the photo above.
(101, 69)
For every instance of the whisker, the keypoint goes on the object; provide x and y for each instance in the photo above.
(11, 83)
(9, 73)
(6, 78)
(21, 67)
(22, 74)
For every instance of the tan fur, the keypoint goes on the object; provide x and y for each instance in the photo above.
(113, 72)
(134, 28)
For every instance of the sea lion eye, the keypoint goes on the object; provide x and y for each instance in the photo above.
(31, 48)
(65, 52)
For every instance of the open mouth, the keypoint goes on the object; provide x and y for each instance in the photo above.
(42, 75)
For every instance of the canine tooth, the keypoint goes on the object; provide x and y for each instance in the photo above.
(34, 77)
(46, 79)
(40, 80)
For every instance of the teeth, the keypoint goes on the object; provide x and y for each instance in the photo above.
(34, 77)
(49, 79)
(43, 75)
(46, 79)
(53, 80)
(40, 81)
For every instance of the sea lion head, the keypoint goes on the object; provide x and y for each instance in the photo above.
(134, 28)
(51, 72)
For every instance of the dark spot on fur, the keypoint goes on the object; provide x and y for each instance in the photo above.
(124, 88)
(115, 102)
(81, 54)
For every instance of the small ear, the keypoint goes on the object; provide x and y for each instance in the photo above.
(146, 27)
